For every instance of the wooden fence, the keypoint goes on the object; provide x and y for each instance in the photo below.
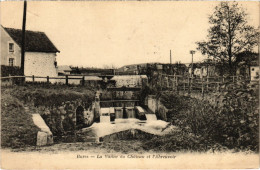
(199, 84)
(65, 79)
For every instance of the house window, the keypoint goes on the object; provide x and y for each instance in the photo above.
(253, 69)
(11, 47)
(11, 61)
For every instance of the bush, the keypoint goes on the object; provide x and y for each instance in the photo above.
(180, 141)
(10, 70)
(232, 123)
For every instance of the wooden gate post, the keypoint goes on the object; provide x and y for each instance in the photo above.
(33, 78)
(48, 79)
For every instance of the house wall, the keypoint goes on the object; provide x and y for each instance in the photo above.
(5, 54)
(40, 64)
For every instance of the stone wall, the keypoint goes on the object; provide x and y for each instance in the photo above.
(157, 107)
(67, 117)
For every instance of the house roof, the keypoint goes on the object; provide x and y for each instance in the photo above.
(34, 41)
(63, 68)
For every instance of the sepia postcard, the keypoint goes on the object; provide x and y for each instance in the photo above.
(130, 84)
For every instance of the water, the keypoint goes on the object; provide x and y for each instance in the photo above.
(119, 113)
(151, 117)
(130, 113)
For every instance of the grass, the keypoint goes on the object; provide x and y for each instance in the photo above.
(17, 127)
(48, 94)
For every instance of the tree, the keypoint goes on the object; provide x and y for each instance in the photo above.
(229, 34)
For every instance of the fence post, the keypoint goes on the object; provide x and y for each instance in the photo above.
(161, 81)
(11, 80)
(176, 81)
(67, 80)
(168, 82)
(83, 81)
(191, 82)
(188, 84)
(207, 83)
(202, 87)
(172, 83)
(33, 78)
(184, 86)
(48, 79)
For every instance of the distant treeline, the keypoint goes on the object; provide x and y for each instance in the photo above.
(77, 70)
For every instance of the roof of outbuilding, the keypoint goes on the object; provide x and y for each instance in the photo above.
(34, 41)
(64, 68)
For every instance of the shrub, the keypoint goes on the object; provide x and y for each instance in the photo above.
(10, 70)
(232, 123)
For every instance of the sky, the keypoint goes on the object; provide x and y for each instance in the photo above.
(106, 33)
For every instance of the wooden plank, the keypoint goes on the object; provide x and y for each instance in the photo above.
(123, 88)
(109, 101)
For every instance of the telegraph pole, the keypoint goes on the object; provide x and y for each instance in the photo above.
(171, 57)
(171, 70)
(23, 36)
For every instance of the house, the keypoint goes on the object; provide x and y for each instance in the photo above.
(206, 68)
(40, 52)
(248, 65)
(64, 70)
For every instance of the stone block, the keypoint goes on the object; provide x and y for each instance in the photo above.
(42, 138)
